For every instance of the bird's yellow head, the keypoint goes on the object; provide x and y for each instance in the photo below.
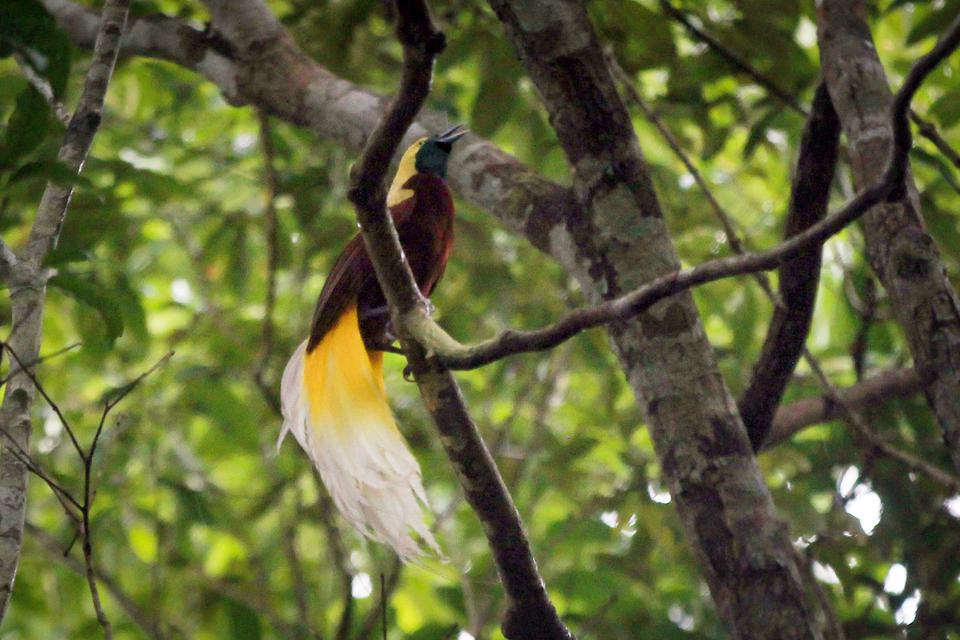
(426, 155)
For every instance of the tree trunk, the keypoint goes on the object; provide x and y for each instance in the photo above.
(615, 242)
(899, 249)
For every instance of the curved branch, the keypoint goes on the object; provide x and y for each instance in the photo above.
(278, 78)
(890, 187)
(899, 247)
(793, 418)
(926, 128)
(529, 605)
(798, 278)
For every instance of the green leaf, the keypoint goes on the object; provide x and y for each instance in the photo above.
(947, 108)
(55, 171)
(934, 23)
(27, 29)
(93, 294)
(26, 128)
(244, 624)
(497, 93)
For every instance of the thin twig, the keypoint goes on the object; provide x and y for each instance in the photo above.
(890, 187)
(43, 87)
(43, 392)
(735, 60)
(61, 492)
(115, 399)
(929, 131)
(15, 370)
(387, 588)
(273, 253)
(86, 534)
(141, 618)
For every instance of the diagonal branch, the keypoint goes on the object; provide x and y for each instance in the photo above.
(925, 127)
(733, 59)
(26, 370)
(798, 278)
(42, 86)
(792, 418)
(899, 247)
(890, 187)
(530, 612)
(27, 286)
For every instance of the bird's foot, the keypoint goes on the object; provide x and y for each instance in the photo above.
(388, 347)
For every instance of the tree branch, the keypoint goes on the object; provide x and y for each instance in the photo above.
(530, 613)
(150, 627)
(42, 85)
(792, 418)
(273, 257)
(888, 188)
(900, 250)
(27, 288)
(798, 278)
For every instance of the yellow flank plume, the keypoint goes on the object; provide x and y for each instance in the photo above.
(335, 404)
(344, 383)
(406, 170)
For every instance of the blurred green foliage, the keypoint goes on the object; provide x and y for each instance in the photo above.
(211, 534)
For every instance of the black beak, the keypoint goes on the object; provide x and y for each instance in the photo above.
(451, 135)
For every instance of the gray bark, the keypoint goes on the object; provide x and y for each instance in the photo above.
(615, 242)
(899, 249)
(27, 284)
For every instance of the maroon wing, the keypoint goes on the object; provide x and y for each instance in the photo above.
(351, 279)
(425, 226)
